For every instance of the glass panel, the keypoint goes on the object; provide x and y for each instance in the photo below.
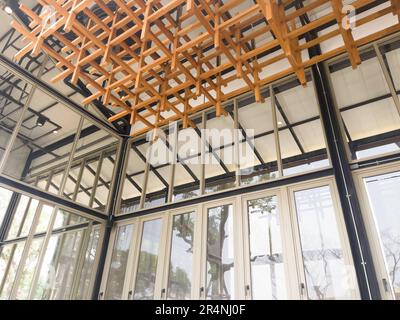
(9, 261)
(5, 197)
(148, 258)
(188, 166)
(133, 178)
(29, 269)
(266, 257)
(370, 118)
(14, 95)
(119, 260)
(65, 218)
(256, 119)
(44, 219)
(160, 170)
(45, 139)
(327, 275)
(23, 217)
(219, 154)
(56, 275)
(86, 274)
(383, 193)
(220, 262)
(181, 259)
(301, 136)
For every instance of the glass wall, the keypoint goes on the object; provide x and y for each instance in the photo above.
(118, 264)
(148, 260)
(52, 139)
(180, 273)
(266, 249)
(325, 268)
(253, 142)
(285, 243)
(47, 252)
(382, 191)
(220, 266)
(368, 102)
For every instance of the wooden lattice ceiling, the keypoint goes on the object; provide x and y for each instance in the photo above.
(161, 61)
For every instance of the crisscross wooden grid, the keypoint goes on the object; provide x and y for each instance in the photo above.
(161, 61)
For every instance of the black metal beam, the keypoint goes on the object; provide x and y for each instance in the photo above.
(42, 195)
(287, 123)
(67, 140)
(152, 168)
(53, 92)
(225, 178)
(356, 232)
(212, 151)
(111, 217)
(251, 145)
(229, 193)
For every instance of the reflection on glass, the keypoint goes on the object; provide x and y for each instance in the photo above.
(25, 282)
(23, 217)
(266, 258)
(44, 219)
(65, 218)
(383, 193)
(148, 258)
(327, 276)
(83, 290)
(5, 197)
(119, 260)
(56, 275)
(9, 261)
(181, 260)
(220, 263)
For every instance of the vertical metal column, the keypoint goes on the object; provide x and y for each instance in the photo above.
(174, 152)
(276, 131)
(203, 153)
(236, 140)
(361, 252)
(96, 180)
(119, 177)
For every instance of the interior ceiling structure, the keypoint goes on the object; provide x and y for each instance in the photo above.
(161, 61)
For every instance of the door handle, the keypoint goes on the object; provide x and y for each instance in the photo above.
(302, 290)
(162, 292)
(385, 285)
(247, 291)
(101, 295)
(130, 295)
(201, 292)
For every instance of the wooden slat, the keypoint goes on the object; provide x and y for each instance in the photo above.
(153, 58)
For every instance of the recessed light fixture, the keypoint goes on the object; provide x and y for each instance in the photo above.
(279, 123)
(8, 10)
(55, 131)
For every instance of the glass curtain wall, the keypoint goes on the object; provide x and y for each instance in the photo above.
(50, 145)
(254, 142)
(47, 252)
(367, 100)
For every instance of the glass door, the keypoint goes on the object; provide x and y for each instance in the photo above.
(118, 264)
(219, 256)
(267, 247)
(380, 191)
(148, 263)
(325, 265)
(180, 270)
